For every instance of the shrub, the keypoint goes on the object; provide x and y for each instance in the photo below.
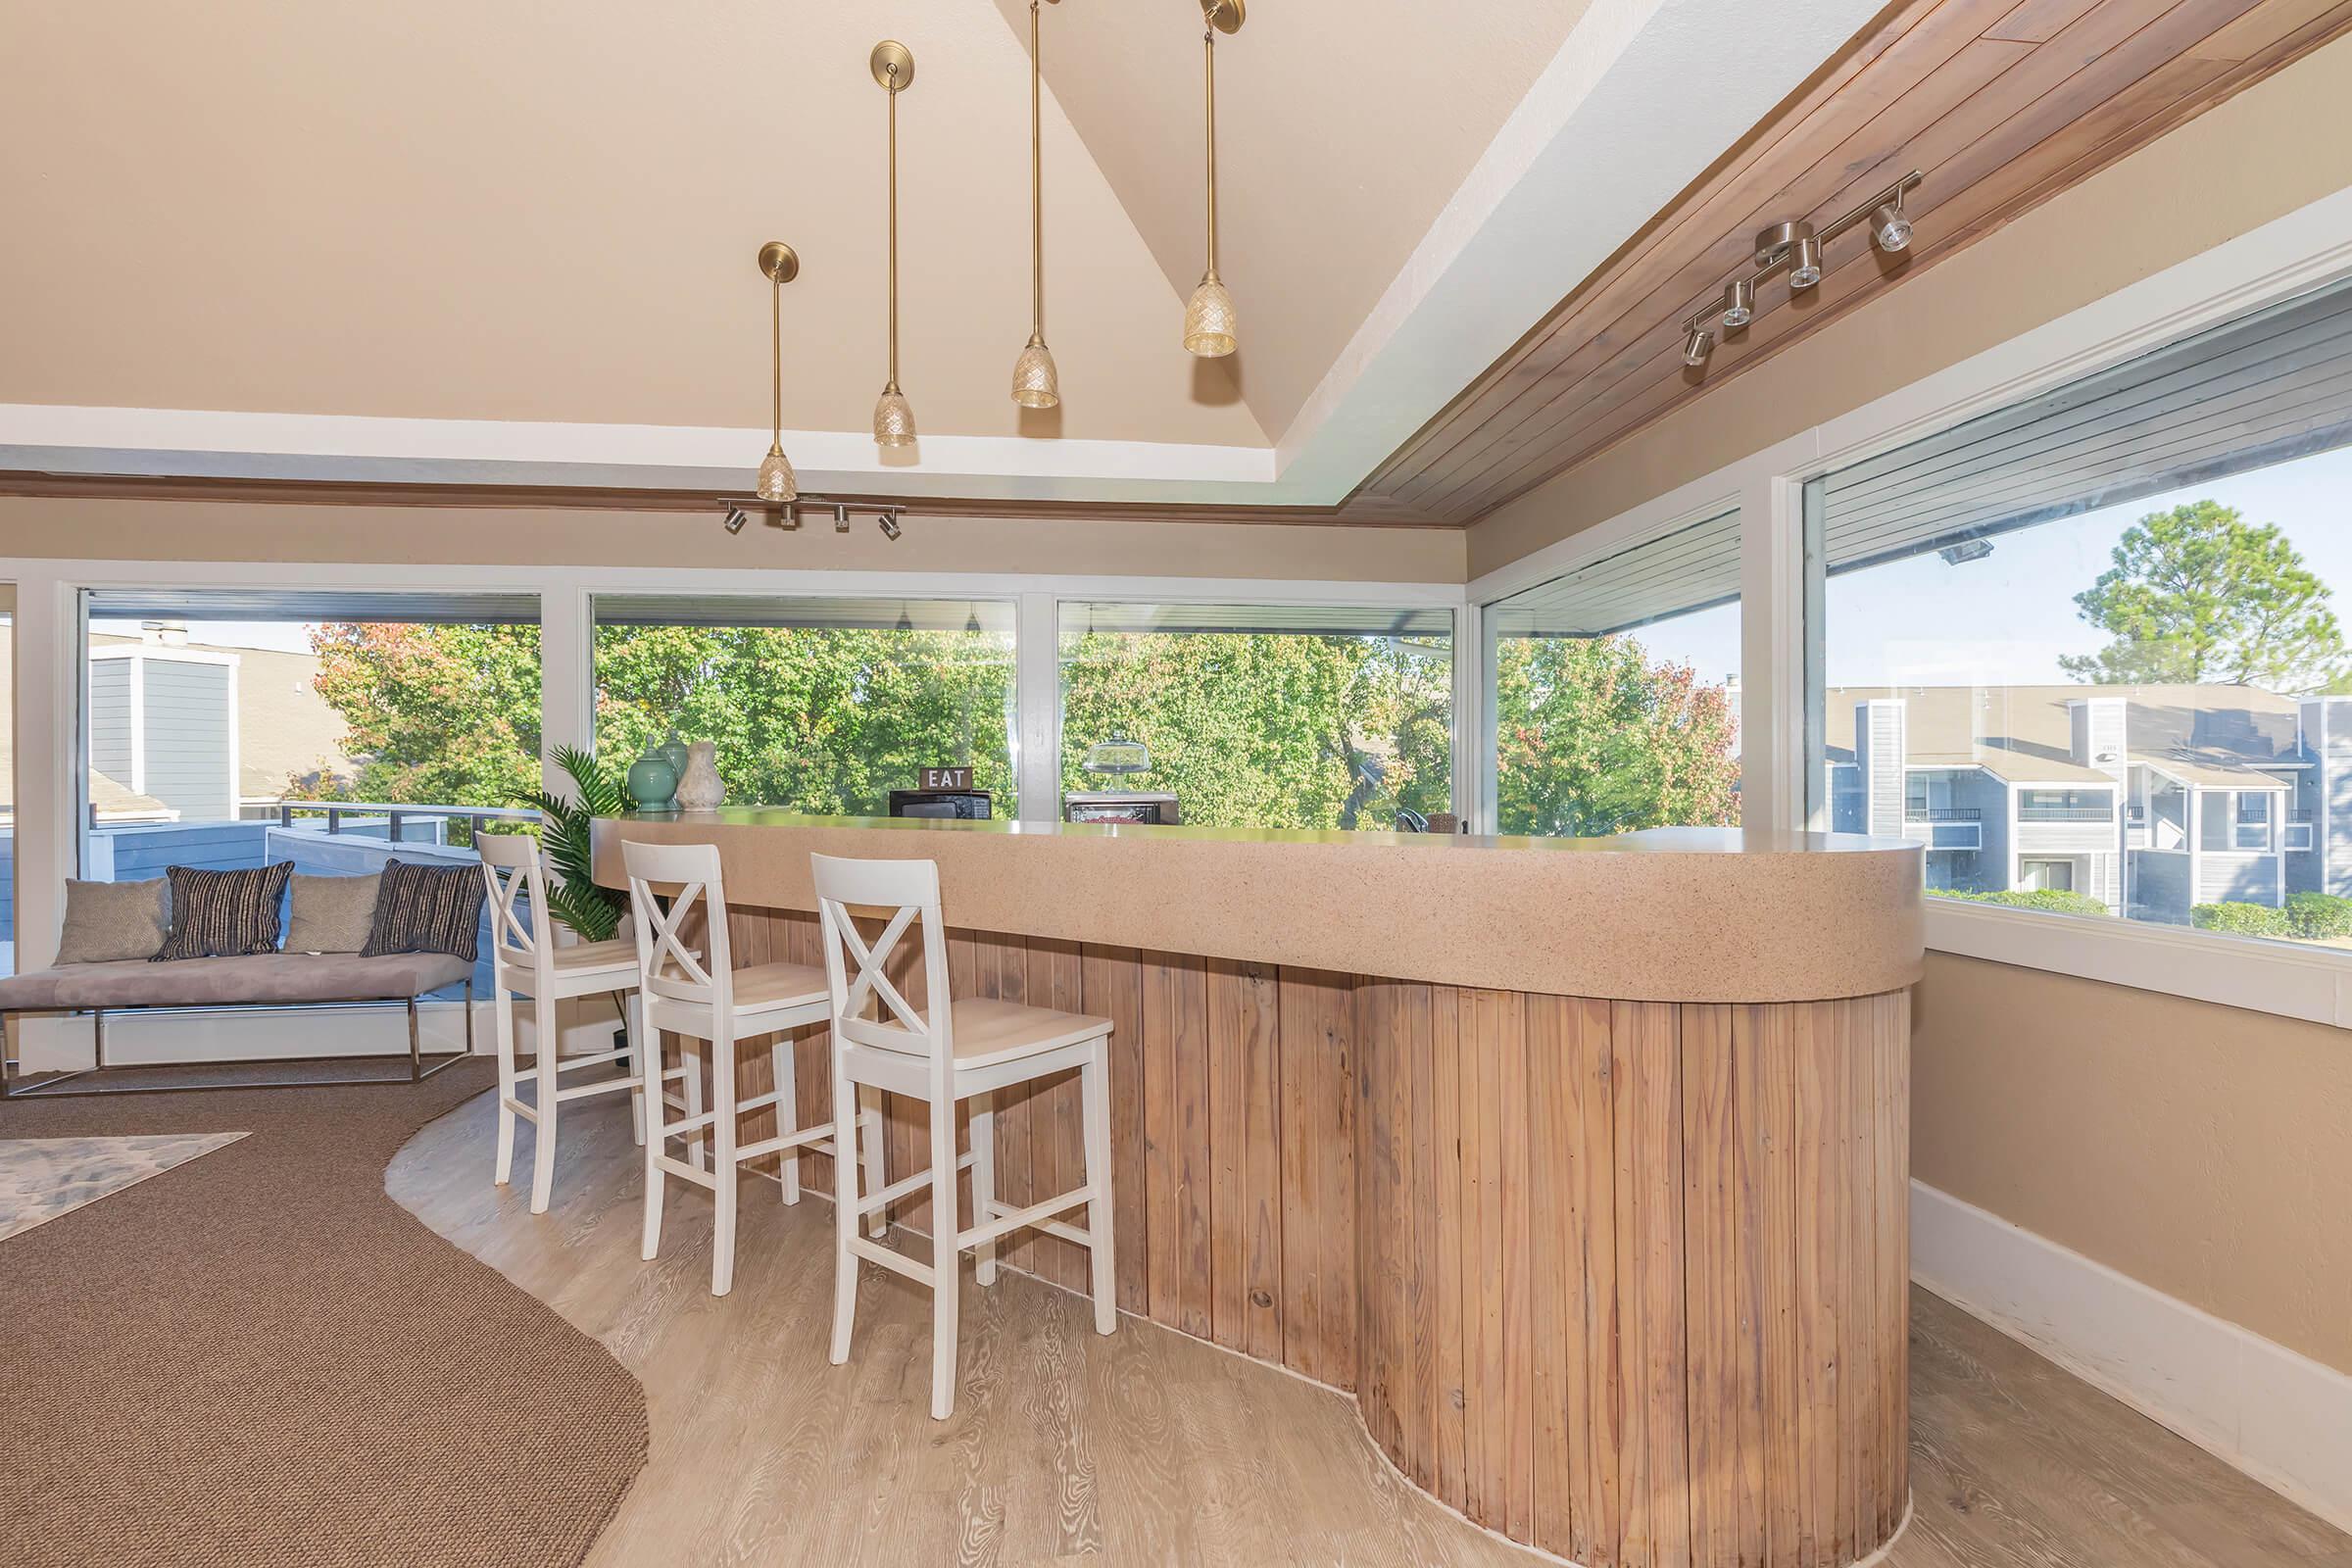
(2243, 919)
(2051, 901)
(2318, 917)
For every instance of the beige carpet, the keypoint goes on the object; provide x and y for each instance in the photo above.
(256, 1358)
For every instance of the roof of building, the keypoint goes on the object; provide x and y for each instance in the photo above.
(285, 728)
(2015, 766)
(2025, 734)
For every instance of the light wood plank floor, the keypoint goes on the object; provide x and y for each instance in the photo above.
(1148, 1447)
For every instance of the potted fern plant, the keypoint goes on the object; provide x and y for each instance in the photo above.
(592, 911)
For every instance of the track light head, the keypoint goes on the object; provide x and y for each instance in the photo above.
(1890, 227)
(736, 518)
(1804, 263)
(1738, 303)
(841, 517)
(1697, 346)
(890, 525)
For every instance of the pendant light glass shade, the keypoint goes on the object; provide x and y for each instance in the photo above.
(1210, 327)
(778, 481)
(893, 419)
(1036, 383)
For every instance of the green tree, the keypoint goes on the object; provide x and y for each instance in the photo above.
(2196, 595)
(1593, 738)
(1301, 731)
(825, 720)
(447, 715)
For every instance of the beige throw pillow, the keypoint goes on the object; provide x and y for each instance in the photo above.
(332, 914)
(106, 922)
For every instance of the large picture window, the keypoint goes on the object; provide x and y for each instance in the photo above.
(229, 729)
(1263, 716)
(2087, 650)
(1615, 694)
(819, 705)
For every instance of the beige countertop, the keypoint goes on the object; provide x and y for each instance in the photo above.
(1671, 914)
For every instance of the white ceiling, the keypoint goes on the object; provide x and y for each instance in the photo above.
(514, 244)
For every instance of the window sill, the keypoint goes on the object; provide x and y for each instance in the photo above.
(2314, 984)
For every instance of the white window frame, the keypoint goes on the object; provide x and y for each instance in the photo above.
(49, 660)
(2300, 251)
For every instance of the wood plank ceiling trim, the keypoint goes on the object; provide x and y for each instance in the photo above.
(2001, 105)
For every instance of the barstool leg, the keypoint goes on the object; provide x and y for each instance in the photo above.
(984, 1183)
(870, 1123)
(632, 1017)
(848, 1192)
(697, 1141)
(1094, 1092)
(783, 1068)
(722, 1165)
(657, 1106)
(505, 1022)
(543, 1149)
(946, 1258)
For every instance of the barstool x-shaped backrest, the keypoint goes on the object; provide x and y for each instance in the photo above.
(668, 967)
(511, 866)
(868, 1010)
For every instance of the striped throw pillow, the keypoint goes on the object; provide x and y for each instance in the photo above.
(223, 914)
(426, 908)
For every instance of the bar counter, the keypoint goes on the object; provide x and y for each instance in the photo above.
(1581, 1165)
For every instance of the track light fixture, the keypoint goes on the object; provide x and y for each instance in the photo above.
(841, 517)
(1738, 303)
(736, 518)
(1889, 226)
(890, 525)
(1794, 247)
(787, 514)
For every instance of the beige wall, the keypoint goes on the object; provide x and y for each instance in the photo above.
(2201, 1149)
(181, 530)
(2251, 160)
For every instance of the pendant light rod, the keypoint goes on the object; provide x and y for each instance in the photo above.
(1208, 47)
(893, 65)
(1036, 382)
(776, 483)
(1037, 181)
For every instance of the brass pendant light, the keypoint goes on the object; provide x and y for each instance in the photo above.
(893, 65)
(1210, 327)
(1036, 383)
(777, 482)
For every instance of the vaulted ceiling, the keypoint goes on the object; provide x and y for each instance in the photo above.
(497, 246)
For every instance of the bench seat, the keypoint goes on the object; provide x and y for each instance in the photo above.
(263, 978)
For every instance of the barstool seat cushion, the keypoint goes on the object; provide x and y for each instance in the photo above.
(767, 986)
(614, 955)
(988, 1031)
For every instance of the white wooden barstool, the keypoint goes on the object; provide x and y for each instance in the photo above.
(525, 961)
(720, 1006)
(943, 1054)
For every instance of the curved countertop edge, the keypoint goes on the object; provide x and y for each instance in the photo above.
(1670, 914)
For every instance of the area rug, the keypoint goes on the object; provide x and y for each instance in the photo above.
(256, 1358)
(41, 1178)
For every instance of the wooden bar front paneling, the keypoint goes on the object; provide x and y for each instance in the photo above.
(1621, 1280)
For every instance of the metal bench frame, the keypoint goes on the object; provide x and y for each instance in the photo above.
(422, 1065)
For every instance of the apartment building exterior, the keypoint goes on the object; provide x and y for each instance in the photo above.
(2150, 798)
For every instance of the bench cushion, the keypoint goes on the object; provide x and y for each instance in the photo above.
(221, 982)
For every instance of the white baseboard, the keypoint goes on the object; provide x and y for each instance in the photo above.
(2280, 1416)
